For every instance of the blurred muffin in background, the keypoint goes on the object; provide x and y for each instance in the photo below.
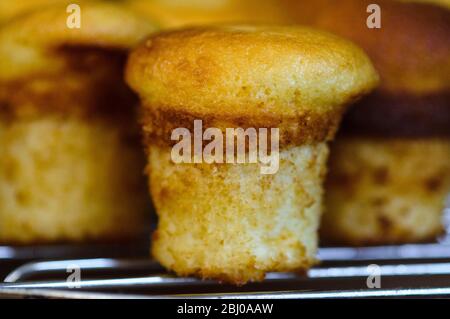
(177, 13)
(71, 163)
(229, 221)
(390, 165)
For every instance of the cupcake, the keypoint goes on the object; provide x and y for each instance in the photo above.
(71, 164)
(390, 165)
(236, 220)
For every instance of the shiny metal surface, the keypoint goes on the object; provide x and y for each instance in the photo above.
(320, 282)
(44, 267)
(25, 271)
(378, 293)
(421, 270)
(393, 293)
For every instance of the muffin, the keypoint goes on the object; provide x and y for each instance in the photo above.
(71, 165)
(390, 165)
(176, 13)
(234, 221)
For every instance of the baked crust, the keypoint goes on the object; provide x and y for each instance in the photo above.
(48, 67)
(299, 79)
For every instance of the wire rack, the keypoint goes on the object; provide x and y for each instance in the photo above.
(410, 270)
(421, 270)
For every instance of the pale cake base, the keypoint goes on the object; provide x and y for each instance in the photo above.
(69, 179)
(229, 222)
(386, 191)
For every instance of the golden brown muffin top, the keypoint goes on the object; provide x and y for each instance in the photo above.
(411, 50)
(263, 75)
(47, 66)
(26, 42)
